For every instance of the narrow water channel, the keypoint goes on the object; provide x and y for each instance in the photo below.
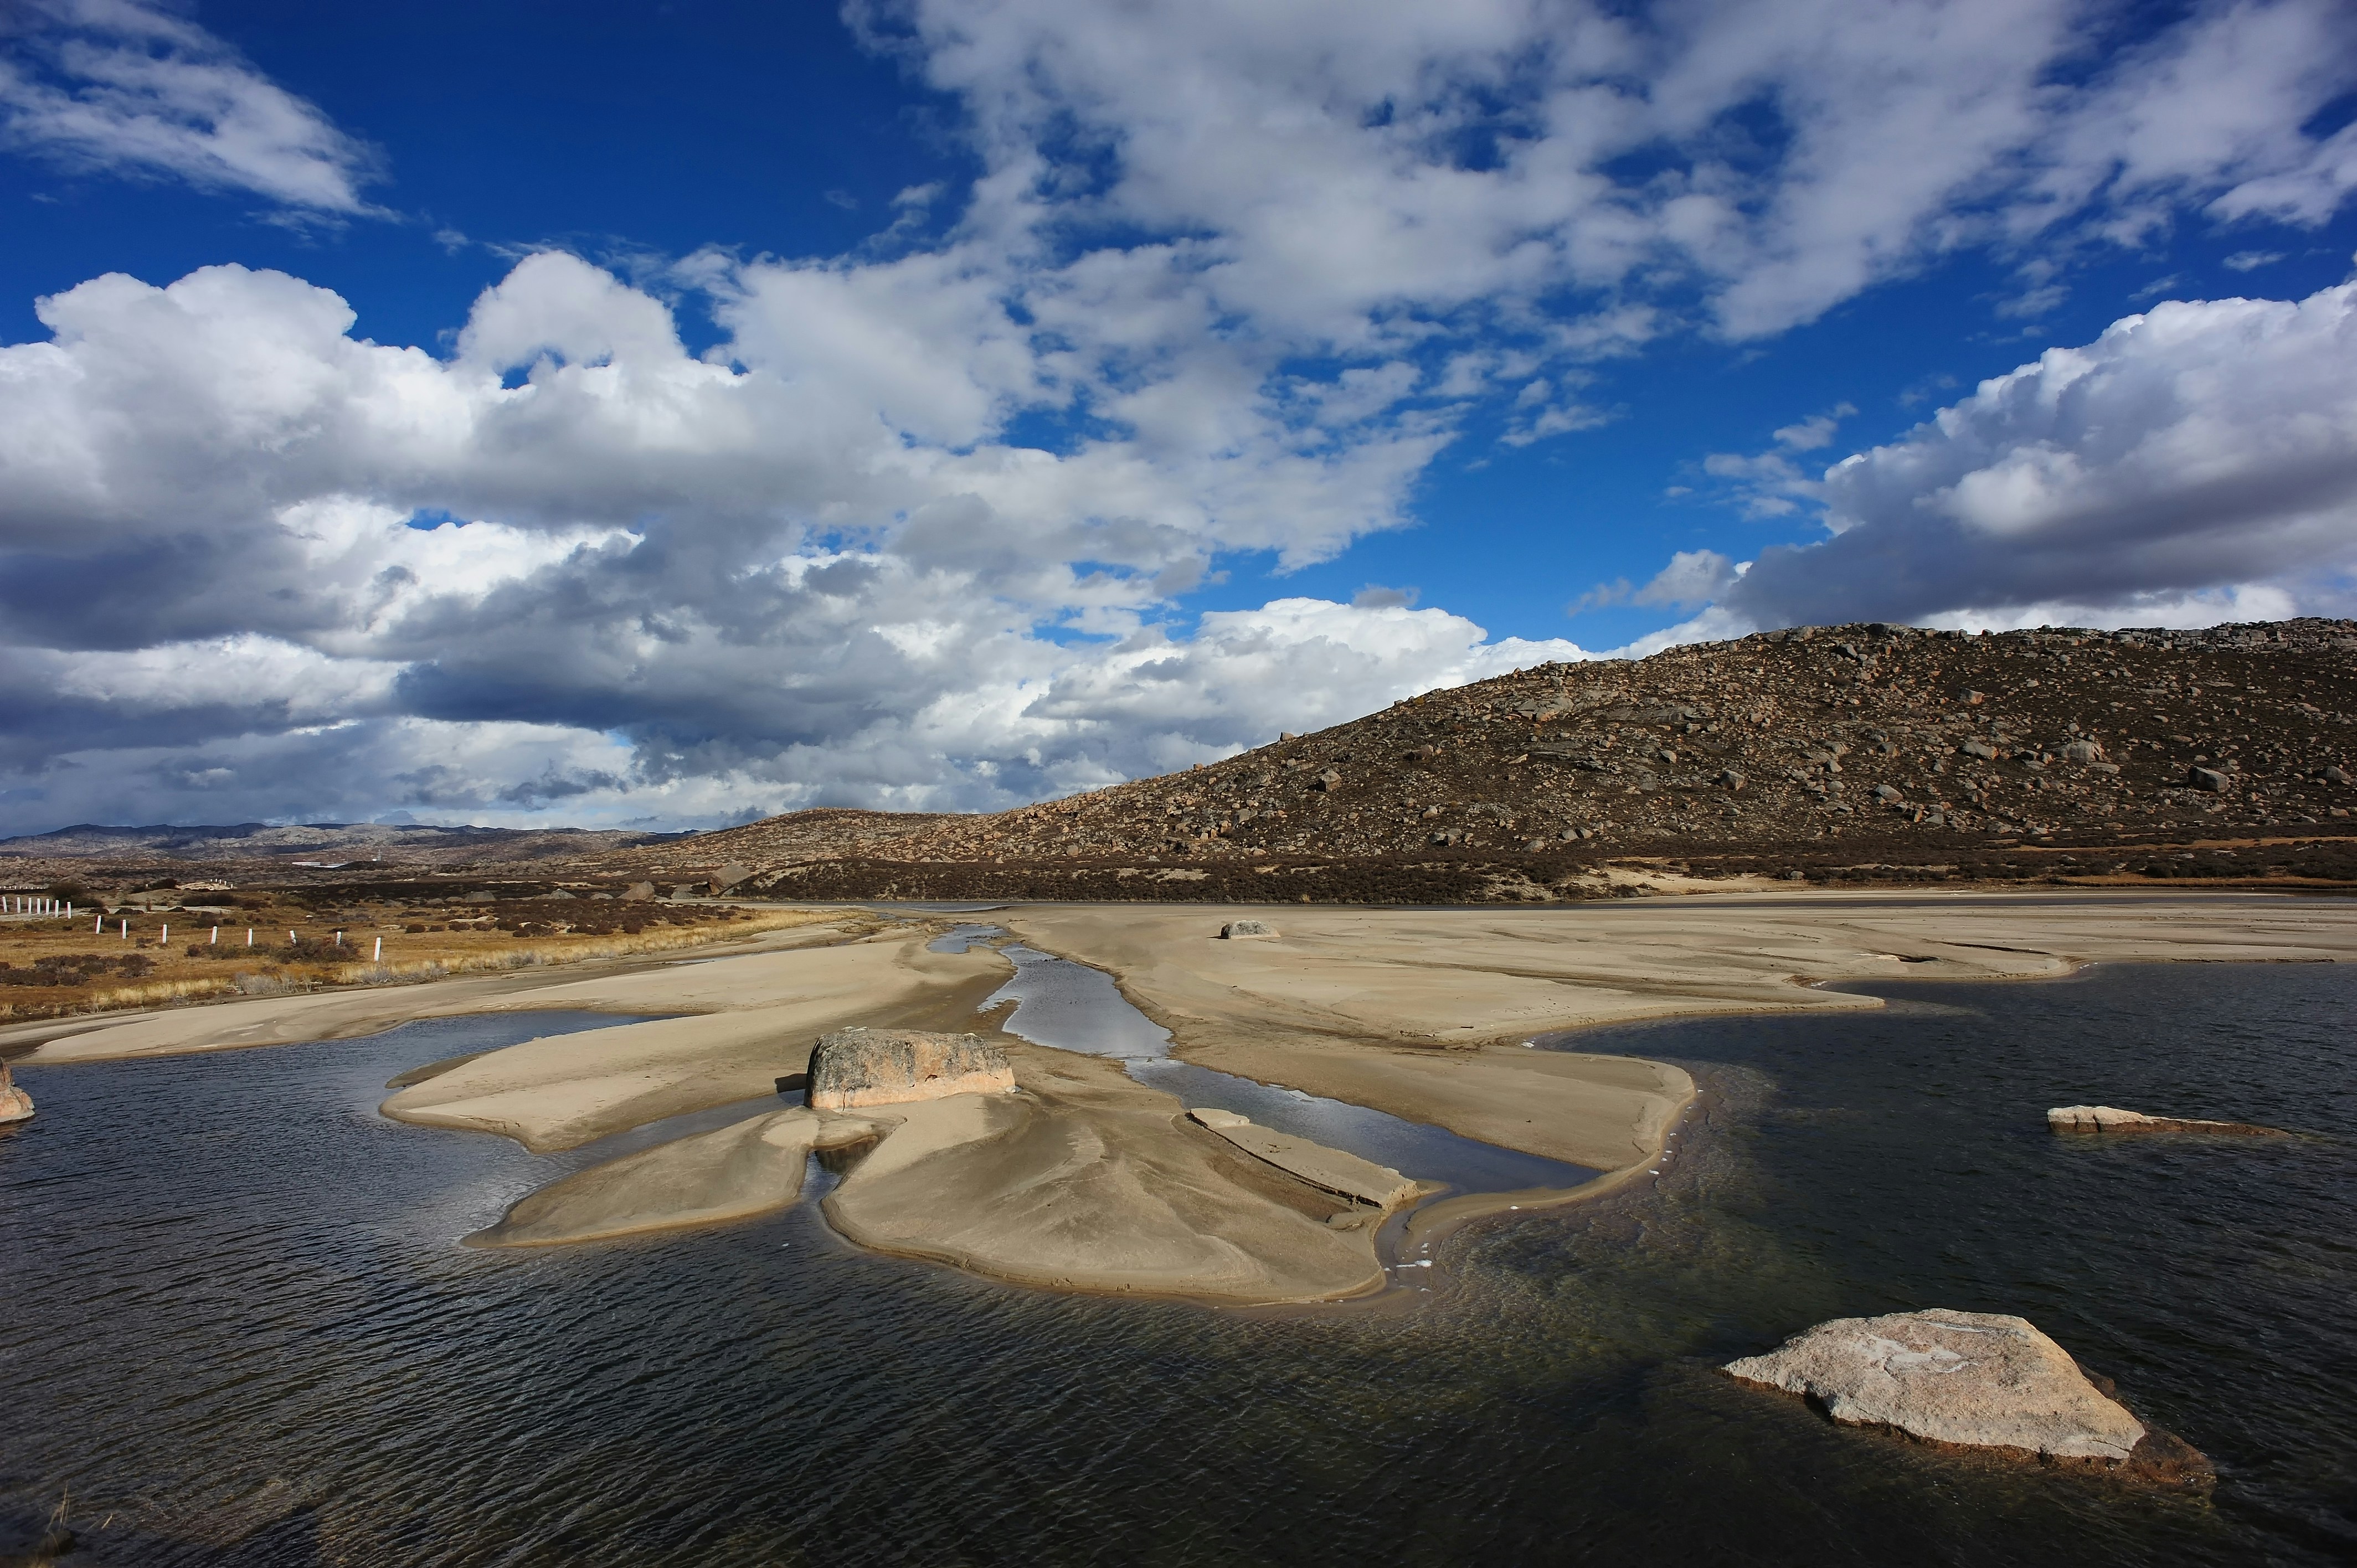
(1073, 1008)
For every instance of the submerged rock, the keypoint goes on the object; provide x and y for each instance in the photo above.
(852, 1068)
(1973, 1380)
(1335, 1171)
(15, 1105)
(2111, 1118)
(1235, 930)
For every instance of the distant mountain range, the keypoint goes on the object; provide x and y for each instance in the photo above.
(332, 844)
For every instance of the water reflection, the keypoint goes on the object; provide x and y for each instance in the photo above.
(1074, 1008)
(234, 1323)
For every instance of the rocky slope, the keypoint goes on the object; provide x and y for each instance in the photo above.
(1865, 752)
(1856, 754)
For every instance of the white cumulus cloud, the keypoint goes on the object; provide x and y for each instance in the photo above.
(2200, 449)
(1239, 273)
(119, 86)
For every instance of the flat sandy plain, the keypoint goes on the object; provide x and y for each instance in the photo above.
(1085, 1179)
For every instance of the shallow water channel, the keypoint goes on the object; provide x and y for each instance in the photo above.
(235, 1322)
(1073, 1008)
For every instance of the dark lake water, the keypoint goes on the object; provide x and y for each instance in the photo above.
(235, 1322)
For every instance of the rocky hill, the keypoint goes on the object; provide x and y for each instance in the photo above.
(1856, 753)
(826, 832)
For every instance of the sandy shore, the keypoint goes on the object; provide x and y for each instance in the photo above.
(637, 983)
(1421, 1012)
(1088, 1180)
(747, 1022)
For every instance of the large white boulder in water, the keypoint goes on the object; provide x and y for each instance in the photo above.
(1975, 1379)
(851, 1068)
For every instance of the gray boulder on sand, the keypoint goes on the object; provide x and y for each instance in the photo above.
(851, 1068)
(1235, 930)
(1973, 1380)
(2111, 1118)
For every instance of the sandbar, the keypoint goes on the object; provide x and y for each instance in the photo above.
(1422, 1013)
(1085, 1179)
(730, 1173)
(1089, 1180)
(747, 1023)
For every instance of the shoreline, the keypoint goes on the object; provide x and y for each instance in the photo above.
(1418, 1014)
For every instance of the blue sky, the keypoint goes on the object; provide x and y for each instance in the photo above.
(669, 414)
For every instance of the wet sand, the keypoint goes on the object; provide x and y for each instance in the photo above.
(1088, 1180)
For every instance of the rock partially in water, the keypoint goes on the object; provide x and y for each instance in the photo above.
(1362, 1181)
(851, 1068)
(2111, 1118)
(1972, 1380)
(1236, 930)
(15, 1105)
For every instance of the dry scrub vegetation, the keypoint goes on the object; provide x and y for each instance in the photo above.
(262, 946)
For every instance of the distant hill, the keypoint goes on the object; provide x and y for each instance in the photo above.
(408, 844)
(1853, 755)
(1865, 753)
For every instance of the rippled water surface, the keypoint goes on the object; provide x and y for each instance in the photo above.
(235, 1322)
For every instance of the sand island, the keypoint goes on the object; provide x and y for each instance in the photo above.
(1082, 1178)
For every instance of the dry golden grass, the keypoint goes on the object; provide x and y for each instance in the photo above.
(164, 973)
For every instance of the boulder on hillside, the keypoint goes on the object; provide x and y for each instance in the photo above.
(1241, 931)
(851, 1068)
(2112, 1119)
(1972, 1380)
